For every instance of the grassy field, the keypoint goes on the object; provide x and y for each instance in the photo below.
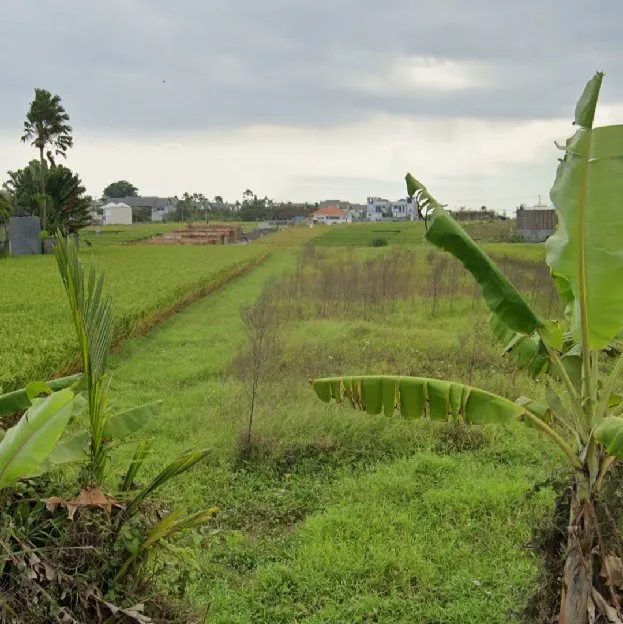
(146, 282)
(338, 516)
(330, 516)
(105, 235)
(403, 233)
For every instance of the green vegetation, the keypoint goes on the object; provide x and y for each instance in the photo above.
(120, 545)
(47, 126)
(327, 514)
(363, 234)
(67, 206)
(334, 516)
(404, 233)
(122, 188)
(106, 235)
(582, 409)
(146, 283)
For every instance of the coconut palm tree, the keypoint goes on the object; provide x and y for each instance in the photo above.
(47, 124)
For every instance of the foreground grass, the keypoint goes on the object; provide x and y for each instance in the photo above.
(146, 282)
(338, 516)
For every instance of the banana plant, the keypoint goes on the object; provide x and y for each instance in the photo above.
(26, 445)
(583, 411)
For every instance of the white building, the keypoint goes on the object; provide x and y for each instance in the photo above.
(116, 214)
(330, 216)
(379, 209)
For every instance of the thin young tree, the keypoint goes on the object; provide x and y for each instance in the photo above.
(47, 124)
(259, 358)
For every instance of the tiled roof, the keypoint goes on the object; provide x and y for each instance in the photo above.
(332, 211)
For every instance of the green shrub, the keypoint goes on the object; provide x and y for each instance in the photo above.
(379, 242)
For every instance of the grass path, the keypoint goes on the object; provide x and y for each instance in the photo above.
(326, 530)
(185, 363)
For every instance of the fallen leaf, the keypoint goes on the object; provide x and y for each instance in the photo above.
(132, 612)
(89, 497)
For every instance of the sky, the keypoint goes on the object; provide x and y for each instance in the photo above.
(307, 100)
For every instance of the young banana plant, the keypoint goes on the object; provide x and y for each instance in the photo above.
(583, 418)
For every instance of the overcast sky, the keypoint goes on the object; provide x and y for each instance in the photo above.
(312, 99)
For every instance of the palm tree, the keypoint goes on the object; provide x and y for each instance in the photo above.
(47, 124)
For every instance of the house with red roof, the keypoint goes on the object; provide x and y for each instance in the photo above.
(330, 215)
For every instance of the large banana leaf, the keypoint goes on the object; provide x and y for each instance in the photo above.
(414, 396)
(21, 399)
(609, 432)
(499, 294)
(502, 298)
(26, 445)
(586, 252)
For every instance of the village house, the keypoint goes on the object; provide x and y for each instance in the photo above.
(379, 209)
(537, 223)
(330, 216)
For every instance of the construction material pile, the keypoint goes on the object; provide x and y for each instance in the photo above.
(201, 234)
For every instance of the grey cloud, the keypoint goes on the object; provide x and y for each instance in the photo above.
(229, 63)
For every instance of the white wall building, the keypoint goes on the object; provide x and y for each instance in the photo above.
(331, 215)
(379, 209)
(117, 214)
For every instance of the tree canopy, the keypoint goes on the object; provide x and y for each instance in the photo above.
(122, 188)
(47, 124)
(68, 207)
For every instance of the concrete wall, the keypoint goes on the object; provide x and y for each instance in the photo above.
(117, 215)
(538, 235)
(24, 236)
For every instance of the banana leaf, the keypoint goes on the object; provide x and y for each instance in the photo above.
(609, 432)
(502, 298)
(19, 400)
(415, 397)
(26, 445)
(585, 252)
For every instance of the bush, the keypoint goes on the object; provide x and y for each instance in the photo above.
(379, 242)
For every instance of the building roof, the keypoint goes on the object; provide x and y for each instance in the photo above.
(148, 202)
(331, 211)
(116, 205)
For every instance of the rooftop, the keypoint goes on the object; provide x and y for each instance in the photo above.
(331, 211)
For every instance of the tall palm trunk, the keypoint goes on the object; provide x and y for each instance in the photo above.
(44, 201)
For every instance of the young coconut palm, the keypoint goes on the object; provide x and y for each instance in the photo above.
(583, 417)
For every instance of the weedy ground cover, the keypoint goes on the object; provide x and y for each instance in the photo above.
(334, 516)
